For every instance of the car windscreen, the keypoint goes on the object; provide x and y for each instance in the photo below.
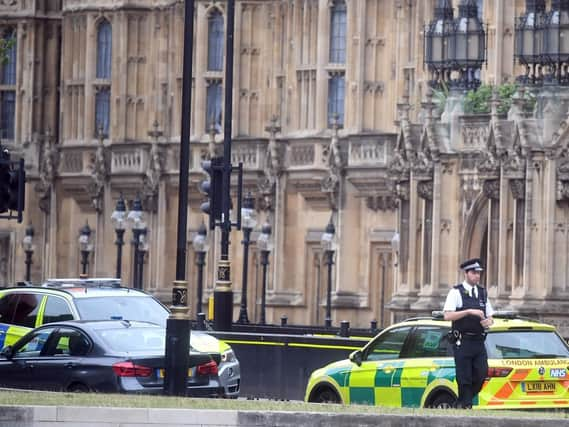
(143, 308)
(130, 340)
(525, 345)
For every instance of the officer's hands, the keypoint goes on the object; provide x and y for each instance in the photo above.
(477, 313)
(486, 323)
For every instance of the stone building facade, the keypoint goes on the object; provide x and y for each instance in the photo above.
(332, 119)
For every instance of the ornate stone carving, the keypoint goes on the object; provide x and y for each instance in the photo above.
(562, 190)
(272, 166)
(100, 169)
(331, 182)
(425, 190)
(47, 171)
(154, 171)
(470, 189)
(518, 188)
(514, 162)
(382, 202)
(491, 189)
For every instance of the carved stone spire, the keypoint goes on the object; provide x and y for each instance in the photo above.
(154, 170)
(99, 172)
(49, 156)
(331, 182)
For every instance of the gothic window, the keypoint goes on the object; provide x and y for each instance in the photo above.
(215, 42)
(104, 46)
(336, 85)
(103, 110)
(213, 107)
(338, 33)
(8, 88)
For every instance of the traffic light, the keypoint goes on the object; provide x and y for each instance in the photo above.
(17, 189)
(212, 189)
(4, 181)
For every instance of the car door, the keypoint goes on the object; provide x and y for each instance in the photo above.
(58, 362)
(378, 379)
(428, 363)
(19, 371)
(18, 315)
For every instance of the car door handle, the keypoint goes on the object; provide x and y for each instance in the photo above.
(69, 365)
(2, 332)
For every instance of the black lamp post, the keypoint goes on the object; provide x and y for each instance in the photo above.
(142, 249)
(265, 245)
(28, 246)
(201, 246)
(529, 40)
(85, 246)
(555, 46)
(328, 244)
(248, 223)
(137, 224)
(119, 223)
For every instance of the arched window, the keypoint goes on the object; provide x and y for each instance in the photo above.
(336, 98)
(338, 33)
(215, 42)
(8, 80)
(104, 49)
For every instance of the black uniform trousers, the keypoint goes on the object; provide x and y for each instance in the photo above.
(471, 363)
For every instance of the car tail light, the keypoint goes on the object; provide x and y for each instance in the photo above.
(209, 368)
(129, 369)
(499, 372)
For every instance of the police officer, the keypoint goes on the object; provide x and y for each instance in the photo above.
(470, 311)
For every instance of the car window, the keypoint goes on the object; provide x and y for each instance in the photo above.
(33, 344)
(429, 341)
(134, 339)
(56, 310)
(69, 341)
(143, 308)
(8, 307)
(27, 310)
(388, 345)
(525, 345)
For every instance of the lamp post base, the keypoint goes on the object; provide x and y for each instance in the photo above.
(223, 298)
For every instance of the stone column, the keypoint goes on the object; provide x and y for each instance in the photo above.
(201, 47)
(90, 75)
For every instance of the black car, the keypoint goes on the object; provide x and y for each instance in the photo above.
(103, 356)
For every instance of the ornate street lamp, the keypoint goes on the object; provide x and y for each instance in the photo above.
(118, 218)
(529, 40)
(328, 244)
(201, 246)
(135, 219)
(28, 246)
(437, 43)
(555, 47)
(467, 46)
(85, 246)
(265, 245)
(248, 223)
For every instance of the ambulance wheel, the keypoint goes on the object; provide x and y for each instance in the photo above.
(325, 395)
(443, 401)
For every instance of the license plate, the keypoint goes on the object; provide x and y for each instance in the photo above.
(162, 371)
(539, 387)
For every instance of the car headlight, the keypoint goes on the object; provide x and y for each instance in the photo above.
(228, 356)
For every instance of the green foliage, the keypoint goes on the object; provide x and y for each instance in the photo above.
(440, 96)
(5, 45)
(478, 101)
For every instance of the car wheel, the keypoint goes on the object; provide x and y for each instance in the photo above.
(78, 388)
(443, 401)
(325, 395)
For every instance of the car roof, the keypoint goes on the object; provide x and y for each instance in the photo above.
(502, 323)
(79, 291)
(105, 324)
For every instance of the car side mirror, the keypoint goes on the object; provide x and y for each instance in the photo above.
(356, 357)
(7, 352)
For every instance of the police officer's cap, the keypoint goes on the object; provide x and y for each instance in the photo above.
(472, 264)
